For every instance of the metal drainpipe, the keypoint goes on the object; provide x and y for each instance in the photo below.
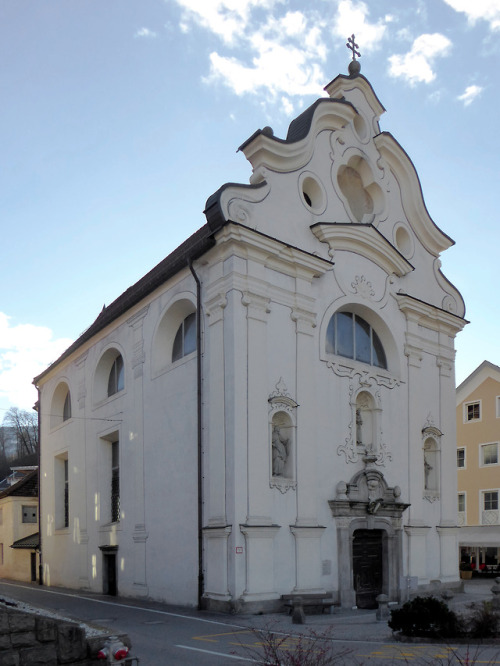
(40, 564)
(199, 433)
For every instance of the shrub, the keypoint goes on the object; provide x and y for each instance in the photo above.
(428, 617)
(483, 622)
(271, 648)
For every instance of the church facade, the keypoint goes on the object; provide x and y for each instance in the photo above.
(271, 410)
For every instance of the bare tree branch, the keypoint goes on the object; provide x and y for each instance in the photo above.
(25, 425)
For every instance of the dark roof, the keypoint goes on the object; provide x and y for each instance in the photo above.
(26, 487)
(31, 541)
(191, 249)
(299, 127)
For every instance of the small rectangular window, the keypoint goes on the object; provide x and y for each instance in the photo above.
(66, 494)
(489, 454)
(461, 502)
(1, 553)
(497, 403)
(461, 458)
(61, 491)
(30, 514)
(115, 482)
(472, 411)
(490, 499)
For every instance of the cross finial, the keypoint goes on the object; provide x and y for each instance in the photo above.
(354, 67)
(352, 46)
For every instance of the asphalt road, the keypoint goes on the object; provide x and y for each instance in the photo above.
(166, 636)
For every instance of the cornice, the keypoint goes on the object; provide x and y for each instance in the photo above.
(430, 316)
(363, 239)
(271, 252)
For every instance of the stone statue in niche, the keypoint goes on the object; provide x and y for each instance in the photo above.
(427, 472)
(359, 428)
(280, 445)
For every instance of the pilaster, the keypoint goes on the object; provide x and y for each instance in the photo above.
(308, 558)
(134, 451)
(259, 551)
(259, 498)
(216, 550)
(417, 550)
(448, 541)
(215, 443)
(306, 444)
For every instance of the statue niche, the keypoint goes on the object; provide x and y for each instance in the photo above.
(281, 445)
(282, 439)
(365, 422)
(431, 469)
(280, 452)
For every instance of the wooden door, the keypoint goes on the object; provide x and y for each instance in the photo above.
(367, 567)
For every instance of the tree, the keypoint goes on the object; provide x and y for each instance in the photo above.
(25, 425)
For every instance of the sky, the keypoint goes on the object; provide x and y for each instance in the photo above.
(119, 118)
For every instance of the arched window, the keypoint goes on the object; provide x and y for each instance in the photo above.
(60, 409)
(116, 380)
(67, 407)
(185, 338)
(349, 335)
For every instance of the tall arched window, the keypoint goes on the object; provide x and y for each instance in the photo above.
(185, 338)
(60, 410)
(67, 407)
(349, 335)
(116, 380)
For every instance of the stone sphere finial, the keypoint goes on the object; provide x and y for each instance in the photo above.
(354, 68)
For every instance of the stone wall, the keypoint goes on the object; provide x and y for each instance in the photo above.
(27, 639)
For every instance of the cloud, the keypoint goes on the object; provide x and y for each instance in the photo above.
(25, 351)
(228, 19)
(352, 17)
(277, 52)
(145, 33)
(287, 52)
(470, 94)
(486, 10)
(416, 65)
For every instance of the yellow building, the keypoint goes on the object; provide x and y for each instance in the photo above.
(19, 536)
(478, 463)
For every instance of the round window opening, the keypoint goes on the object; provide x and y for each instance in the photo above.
(403, 241)
(313, 194)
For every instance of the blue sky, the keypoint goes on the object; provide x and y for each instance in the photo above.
(120, 117)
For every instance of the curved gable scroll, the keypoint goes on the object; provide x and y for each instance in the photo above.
(430, 235)
(284, 155)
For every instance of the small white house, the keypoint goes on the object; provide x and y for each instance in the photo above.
(270, 410)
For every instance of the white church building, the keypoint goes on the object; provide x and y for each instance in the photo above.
(271, 410)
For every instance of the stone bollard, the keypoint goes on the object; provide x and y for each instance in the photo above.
(495, 604)
(383, 612)
(298, 615)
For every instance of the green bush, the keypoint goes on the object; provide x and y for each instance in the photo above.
(428, 617)
(483, 623)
